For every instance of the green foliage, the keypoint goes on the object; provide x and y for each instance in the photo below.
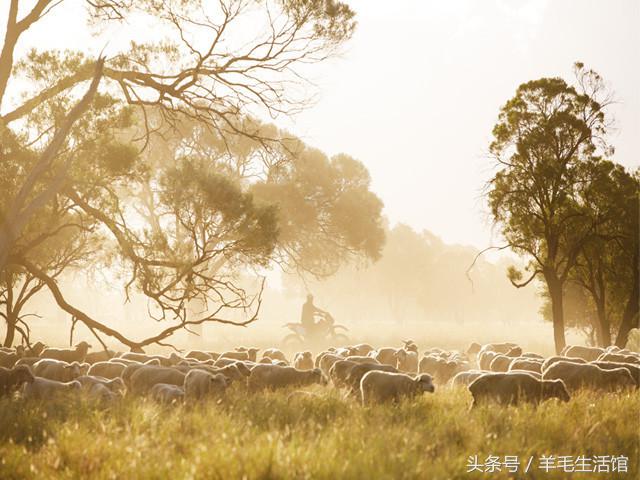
(323, 436)
(545, 144)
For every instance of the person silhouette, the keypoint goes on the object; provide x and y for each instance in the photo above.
(307, 319)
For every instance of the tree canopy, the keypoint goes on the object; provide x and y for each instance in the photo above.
(554, 197)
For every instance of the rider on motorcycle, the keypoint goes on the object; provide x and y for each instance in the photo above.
(309, 311)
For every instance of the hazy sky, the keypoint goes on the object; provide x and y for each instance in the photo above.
(418, 90)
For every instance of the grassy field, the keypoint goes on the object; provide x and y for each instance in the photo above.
(278, 435)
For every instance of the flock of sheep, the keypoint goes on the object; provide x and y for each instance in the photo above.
(498, 372)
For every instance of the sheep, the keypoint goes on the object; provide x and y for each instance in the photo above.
(441, 369)
(500, 363)
(114, 385)
(346, 351)
(512, 388)
(234, 372)
(330, 351)
(485, 358)
(303, 361)
(125, 362)
(528, 372)
(128, 372)
(514, 352)
(101, 356)
(633, 369)
(619, 358)
(586, 353)
(502, 348)
(362, 349)
(199, 384)
(465, 378)
(56, 370)
(339, 371)
(410, 346)
(27, 361)
(352, 382)
(136, 357)
(578, 375)
(43, 388)
(274, 354)
(9, 359)
(407, 360)
(474, 349)
(166, 393)
(387, 356)
(377, 386)
(551, 360)
(102, 393)
(250, 355)
(34, 350)
(14, 378)
(526, 363)
(535, 356)
(147, 376)
(362, 359)
(199, 355)
(223, 362)
(106, 369)
(77, 354)
(327, 362)
(273, 377)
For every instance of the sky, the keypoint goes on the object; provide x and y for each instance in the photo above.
(417, 90)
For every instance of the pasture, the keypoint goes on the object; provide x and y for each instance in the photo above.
(322, 435)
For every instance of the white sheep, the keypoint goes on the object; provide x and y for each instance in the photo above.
(115, 385)
(407, 360)
(514, 387)
(106, 369)
(274, 376)
(327, 361)
(339, 371)
(166, 393)
(56, 370)
(303, 361)
(43, 388)
(68, 355)
(14, 378)
(378, 386)
(585, 375)
(147, 376)
(199, 384)
(586, 353)
(274, 354)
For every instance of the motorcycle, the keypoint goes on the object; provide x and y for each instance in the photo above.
(326, 331)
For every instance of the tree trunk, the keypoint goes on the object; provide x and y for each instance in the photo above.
(604, 329)
(557, 309)
(630, 317)
(11, 329)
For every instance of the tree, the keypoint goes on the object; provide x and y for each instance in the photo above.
(545, 138)
(602, 287)
(60, 149)
(607, 267)
(327, 214)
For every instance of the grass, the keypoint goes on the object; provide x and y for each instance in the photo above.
(323, 436)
